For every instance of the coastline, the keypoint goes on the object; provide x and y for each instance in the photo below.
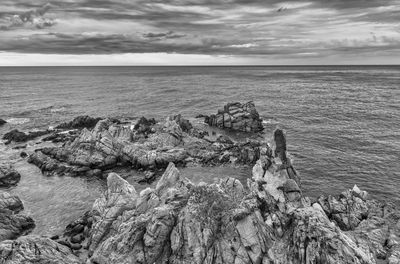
(263, 214)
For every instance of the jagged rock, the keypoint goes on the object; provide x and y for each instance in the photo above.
(18, 136)
(144, 125)
(237, 116)
(10, 202)
(185, 124)
(179, 222)
(111, 145)
(8, 175)
(35, 249)
(12, 224)
(79, 122)
(2, 122)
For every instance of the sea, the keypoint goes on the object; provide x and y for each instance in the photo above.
(342, 123)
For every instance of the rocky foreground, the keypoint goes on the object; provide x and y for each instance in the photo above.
(266, 221)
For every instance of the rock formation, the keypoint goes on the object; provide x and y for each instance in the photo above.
(57, 135)
(148, 145)
(270, 221)
(12, 224)
(36, 249)
(18, 136)
(237, 116)
(79, 122)
(178, 222)
(8, 175)
(2, 122)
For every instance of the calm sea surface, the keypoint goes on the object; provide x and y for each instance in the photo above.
(342, 122)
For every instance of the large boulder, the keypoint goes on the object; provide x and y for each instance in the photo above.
(237, 116)
(36, 249)
(8, 175)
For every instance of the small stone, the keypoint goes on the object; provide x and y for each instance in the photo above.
(77, 238)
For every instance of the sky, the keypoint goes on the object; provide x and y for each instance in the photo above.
(199, 32)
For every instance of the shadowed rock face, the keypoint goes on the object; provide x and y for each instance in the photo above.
(80, 122)
(8, 175)
(12, 224)
(237, 116)
(2, 122)
(151, 147)
(18, 136)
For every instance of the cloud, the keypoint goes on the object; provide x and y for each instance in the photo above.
(163, 35)
(33, 18)
(273, 29)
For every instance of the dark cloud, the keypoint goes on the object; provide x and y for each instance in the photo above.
(163, 35)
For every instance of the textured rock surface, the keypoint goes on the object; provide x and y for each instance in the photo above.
(18, 136)
(12, 224)
(8, 175)
(178, 222)
(10, 202)
(35, 249)
(79, 122)
(150, 146)
(237, 116)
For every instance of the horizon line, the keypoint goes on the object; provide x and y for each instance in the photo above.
(183, 65)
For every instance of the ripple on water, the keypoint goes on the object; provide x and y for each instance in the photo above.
(53, 202)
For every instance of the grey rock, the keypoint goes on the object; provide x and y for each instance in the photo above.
(8, 175)
(237, 116)
(35, 249)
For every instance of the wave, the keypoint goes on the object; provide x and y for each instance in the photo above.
(17, 121)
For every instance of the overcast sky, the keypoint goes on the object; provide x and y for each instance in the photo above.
(199, 32)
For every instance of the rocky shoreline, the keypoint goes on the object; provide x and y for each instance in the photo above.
(266, 220)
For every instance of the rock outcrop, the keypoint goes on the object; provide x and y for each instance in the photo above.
(149, 146)
(12, 224)
(80, 122)
(178, 222)
(8, 175)
(270, 221)
(18, 136)
(36, 249)
(237, 116)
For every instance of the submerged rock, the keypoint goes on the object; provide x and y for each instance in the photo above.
(8, 175)
(237, 116)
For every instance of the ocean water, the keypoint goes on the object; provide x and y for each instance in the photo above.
(342, 122)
